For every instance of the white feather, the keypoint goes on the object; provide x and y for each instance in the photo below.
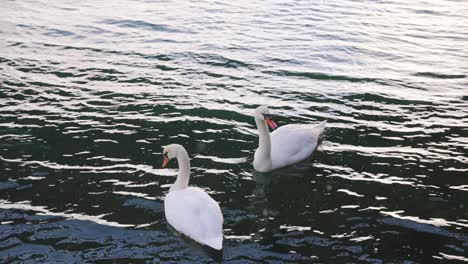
(194, 213)
(293, 143)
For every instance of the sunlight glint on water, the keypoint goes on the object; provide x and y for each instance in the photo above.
(90, 91)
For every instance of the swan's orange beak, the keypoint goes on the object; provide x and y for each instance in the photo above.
(165, 160)
(270, 123)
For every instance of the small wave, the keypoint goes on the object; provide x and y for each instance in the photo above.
(218, 60)
(144, 25)
(223, 160)
(42, 210)
(319, 76)
(440, 76)
(135, 194)
(437, 222)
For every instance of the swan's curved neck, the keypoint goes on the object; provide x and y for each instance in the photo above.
(183, 176)
(264, 141)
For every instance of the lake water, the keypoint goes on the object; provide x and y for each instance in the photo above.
(91, 90)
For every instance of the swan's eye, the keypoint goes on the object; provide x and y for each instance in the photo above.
(165, 155)
(266, 116)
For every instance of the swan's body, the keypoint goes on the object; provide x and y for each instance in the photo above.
(190, 210)
(194, 213)
(286, 145)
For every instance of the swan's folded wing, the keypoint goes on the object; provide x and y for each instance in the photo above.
(194, 213)
(292, 143)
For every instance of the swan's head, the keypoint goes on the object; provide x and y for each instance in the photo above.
(169, 152)
(263, 113)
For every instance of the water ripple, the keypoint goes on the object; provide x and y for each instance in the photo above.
(89, 96)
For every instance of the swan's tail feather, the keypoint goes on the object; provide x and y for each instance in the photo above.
(321, 127)
(216, 243)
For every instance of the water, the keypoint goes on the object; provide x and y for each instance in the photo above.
(91, 90)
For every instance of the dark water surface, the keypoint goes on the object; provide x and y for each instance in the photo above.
(91, 90)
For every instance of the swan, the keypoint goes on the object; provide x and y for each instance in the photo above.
(286, 145)
(190, 210)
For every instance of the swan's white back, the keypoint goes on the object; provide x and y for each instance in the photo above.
(194, 213)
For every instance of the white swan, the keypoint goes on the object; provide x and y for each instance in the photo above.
(286, 145)
(190, 210)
